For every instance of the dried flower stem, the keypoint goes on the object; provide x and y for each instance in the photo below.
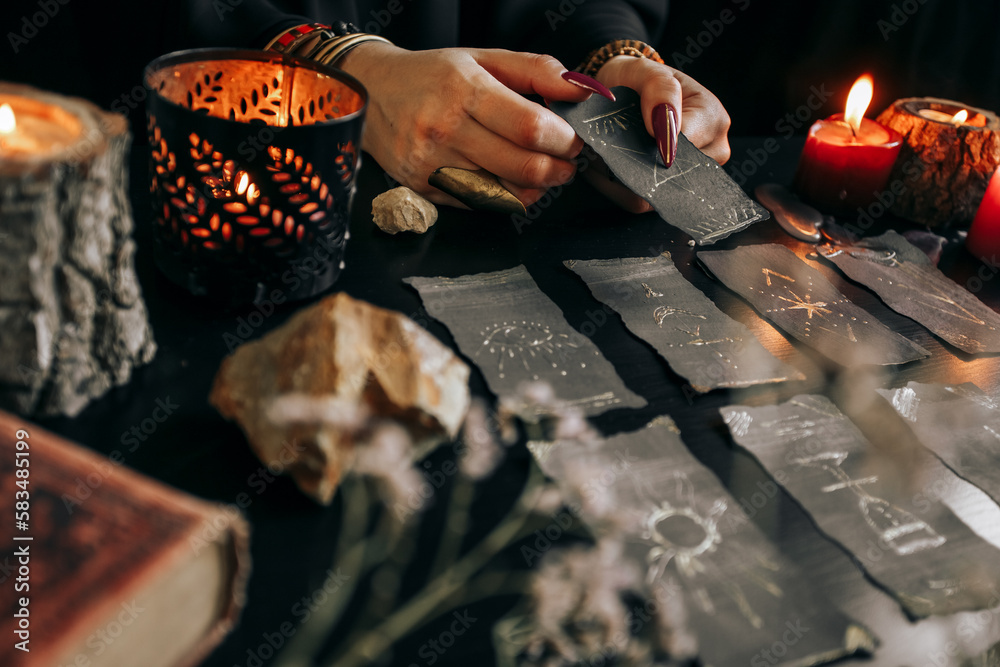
(455, 524)
(350, 559)
(417, 609)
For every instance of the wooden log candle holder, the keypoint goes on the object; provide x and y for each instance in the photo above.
(945, 164)
(72, 319)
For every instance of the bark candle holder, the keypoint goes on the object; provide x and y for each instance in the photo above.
(253, 163)
(945, 164)
(72, 319)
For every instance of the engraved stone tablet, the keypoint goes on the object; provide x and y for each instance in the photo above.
(684, 531)
(801, 301)
(909, 543)
(911, 285)
(698, 340)
(960, 424)
(695, 194)
(515, 334)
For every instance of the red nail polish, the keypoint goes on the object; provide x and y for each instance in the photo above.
(591, 84)
(666, 128)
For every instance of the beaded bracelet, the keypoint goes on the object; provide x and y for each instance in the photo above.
(620, 47)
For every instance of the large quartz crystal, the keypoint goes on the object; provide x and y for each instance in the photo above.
(363, 362)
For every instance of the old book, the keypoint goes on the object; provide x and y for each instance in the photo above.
(104, 566)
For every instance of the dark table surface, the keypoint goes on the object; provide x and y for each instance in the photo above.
(293, 539)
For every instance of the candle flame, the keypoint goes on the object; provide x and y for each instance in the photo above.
(960, 117)
(858, 100)
(7, 121)
(241, 185)
(252, 194)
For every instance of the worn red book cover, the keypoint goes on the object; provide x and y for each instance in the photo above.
(100, 565)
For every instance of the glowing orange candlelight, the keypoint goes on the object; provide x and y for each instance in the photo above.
(960, 117)
(8, 123)
(858, 100)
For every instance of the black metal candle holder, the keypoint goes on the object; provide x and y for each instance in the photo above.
(253, 157)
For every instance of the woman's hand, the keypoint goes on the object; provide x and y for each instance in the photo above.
(464, 108)
(703, 119)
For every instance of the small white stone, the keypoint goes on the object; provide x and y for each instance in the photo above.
(403, 210)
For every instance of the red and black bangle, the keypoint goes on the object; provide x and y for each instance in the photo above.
(620, 47)
(284, 41)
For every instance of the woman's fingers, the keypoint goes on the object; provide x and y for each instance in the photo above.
(599, 176)
(520, 166)
(445, 108)
(495, 101)
(530, 74)
(701, 116)
(705, 122)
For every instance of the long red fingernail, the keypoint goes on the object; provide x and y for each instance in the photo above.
(590, 83)
(666, 129)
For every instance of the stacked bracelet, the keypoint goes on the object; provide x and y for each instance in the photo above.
(321, 43)
(620, 47)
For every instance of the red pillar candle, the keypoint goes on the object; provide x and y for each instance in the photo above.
(847, 158)
(984, 235)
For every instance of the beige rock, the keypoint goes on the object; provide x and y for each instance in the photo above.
(403, 210)
(345, 352)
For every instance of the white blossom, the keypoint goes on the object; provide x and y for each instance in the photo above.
(482, 453)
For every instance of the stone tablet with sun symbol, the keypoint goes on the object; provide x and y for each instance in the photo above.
(801, 301)
(694, 194)
(690, 537)
(515, 334)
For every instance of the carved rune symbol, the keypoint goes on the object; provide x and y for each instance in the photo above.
(805, 303)
(527, 343)
(768, 273)
(610, 122)
(902, 531)
(683, 526)
(650, 293)
(663, 312)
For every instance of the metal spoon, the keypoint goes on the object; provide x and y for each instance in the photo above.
(795, 217)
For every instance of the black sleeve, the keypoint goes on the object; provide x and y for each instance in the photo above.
(248, 23)
(570, 29)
